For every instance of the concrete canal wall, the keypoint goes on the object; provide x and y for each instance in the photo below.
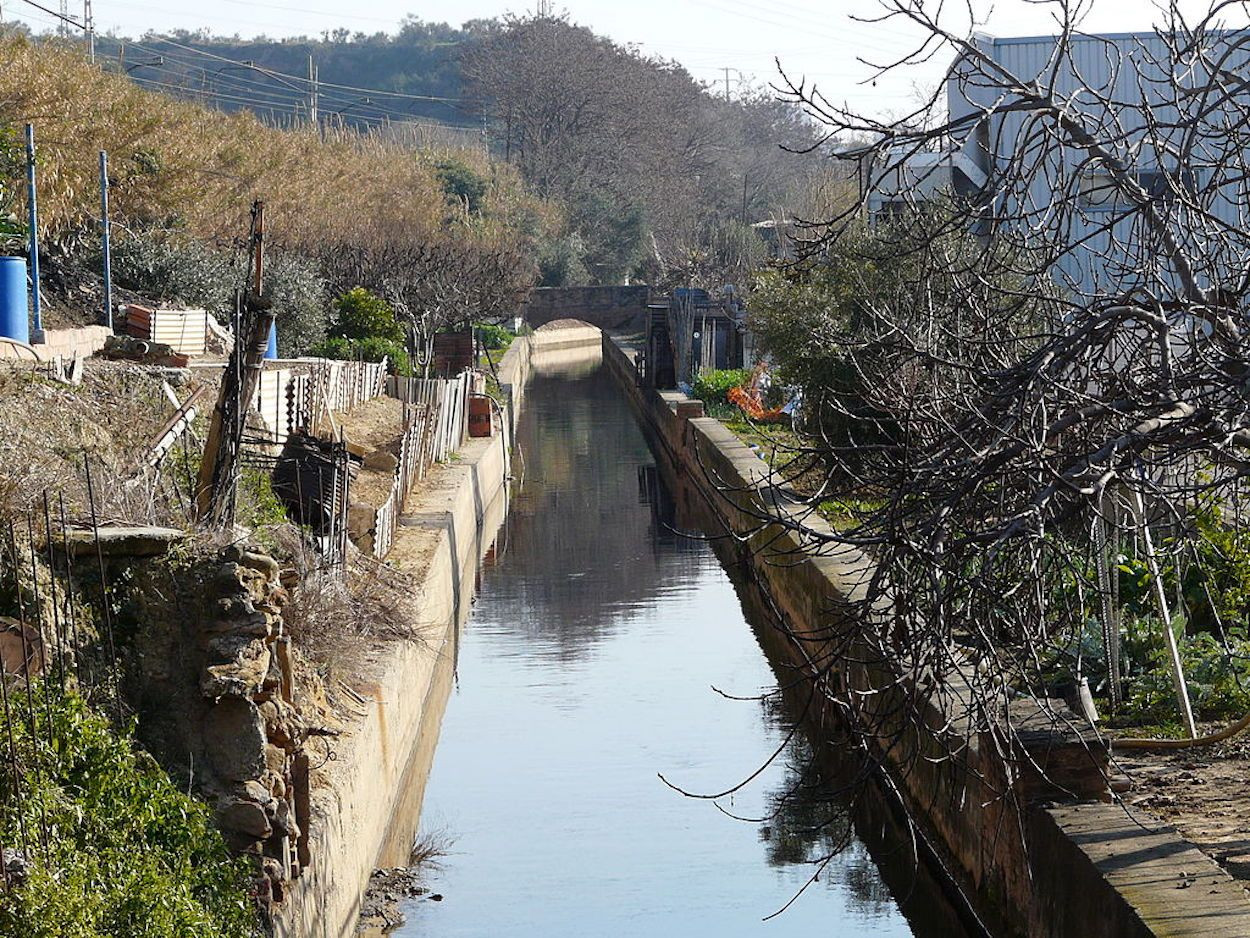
(366, 801)
(1041, 862)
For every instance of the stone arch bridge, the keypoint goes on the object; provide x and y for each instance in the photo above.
(615, 308)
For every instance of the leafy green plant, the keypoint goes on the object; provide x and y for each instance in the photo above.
(258, 505)
(461, 184)
(493, 336)
(128, 853)
(1218, 678)
(360, 314)
(713, 384)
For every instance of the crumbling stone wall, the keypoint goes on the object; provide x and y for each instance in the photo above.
(252, 730)
(212, 672)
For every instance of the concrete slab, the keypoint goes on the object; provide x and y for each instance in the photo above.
(1172, 886)
(124, 540)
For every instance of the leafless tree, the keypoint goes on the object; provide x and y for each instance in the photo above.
(1041, 370)
(434, 285)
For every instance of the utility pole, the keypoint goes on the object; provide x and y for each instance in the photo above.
(727, 71)
(312, 91)
(88, 25)
(218, 476)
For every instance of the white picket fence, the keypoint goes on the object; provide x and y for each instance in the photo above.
(436, 415)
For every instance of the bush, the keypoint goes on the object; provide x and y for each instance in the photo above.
(168, 267)
(128, 853)
(362, 315)
(461, 184)
(493, 336)
(258, 506)
(713, 385)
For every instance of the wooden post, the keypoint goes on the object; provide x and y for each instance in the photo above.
(1174, 654)
(221, 450)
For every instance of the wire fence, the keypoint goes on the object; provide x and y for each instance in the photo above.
(42, 656)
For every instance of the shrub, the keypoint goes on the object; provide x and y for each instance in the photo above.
(297, 290)
(362, 315)
(461, 184)
(258, 506)
(713, 385)
(494, 336)
(169, 267)
(128, 853)
(1218, 679)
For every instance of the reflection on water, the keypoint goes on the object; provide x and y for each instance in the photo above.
(590, 666)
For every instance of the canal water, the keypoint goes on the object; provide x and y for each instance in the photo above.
(599, 661)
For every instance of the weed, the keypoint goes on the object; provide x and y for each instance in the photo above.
(128, 853)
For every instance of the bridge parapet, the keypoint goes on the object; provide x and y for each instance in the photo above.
(616, 308)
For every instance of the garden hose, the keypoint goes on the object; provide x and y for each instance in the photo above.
(1231, 730)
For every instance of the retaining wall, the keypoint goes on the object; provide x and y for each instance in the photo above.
(1084, 867)
(366, 802)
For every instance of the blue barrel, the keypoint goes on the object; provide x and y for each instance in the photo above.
(272, 351)
(14, 300)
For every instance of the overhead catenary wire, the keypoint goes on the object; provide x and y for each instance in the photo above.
(277, 95)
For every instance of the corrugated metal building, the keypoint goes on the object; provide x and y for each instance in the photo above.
(1128, 88)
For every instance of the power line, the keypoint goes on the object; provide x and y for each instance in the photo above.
(256, 92)
(303, 79)
(64, 17)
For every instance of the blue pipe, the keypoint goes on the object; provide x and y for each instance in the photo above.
(271, 350)
(36, 303)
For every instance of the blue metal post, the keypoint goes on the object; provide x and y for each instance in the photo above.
(271, 349)
(36, 304)
(104, 236)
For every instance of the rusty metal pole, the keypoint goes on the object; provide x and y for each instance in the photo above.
(221, 451)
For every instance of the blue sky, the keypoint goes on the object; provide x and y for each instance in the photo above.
(819, 40)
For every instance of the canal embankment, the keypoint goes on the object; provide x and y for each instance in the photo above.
(366, 798)
(1032, 857)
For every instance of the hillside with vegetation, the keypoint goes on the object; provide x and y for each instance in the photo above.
(661, 175)
(444, 234)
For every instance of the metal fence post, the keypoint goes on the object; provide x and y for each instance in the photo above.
(36, 335)
(104, 236)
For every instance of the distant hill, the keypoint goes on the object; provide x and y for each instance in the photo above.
(421, 60)
(660, 178)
